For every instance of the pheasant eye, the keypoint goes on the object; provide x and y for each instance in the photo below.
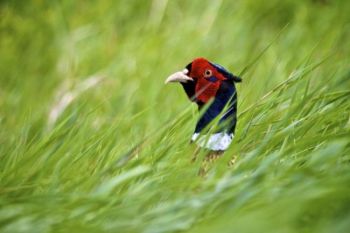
(208, 73)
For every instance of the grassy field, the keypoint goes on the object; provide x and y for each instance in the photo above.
(91, 140)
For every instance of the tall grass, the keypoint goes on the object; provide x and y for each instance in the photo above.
(92, 141)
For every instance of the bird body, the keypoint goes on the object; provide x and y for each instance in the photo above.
(210, 86)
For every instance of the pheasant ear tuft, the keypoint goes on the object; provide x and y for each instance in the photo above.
(226, 73)
(236, 79)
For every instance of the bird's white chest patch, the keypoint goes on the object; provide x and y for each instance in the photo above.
(215, 142)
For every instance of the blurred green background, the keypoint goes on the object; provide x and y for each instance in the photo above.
(91, 140)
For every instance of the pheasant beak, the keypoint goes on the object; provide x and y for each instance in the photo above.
(180, 76)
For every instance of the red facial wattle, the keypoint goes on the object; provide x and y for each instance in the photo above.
(206, 90)
(208, 80)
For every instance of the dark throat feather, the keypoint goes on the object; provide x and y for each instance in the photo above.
(225, 97)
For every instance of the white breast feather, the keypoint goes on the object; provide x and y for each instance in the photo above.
(215, 142)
